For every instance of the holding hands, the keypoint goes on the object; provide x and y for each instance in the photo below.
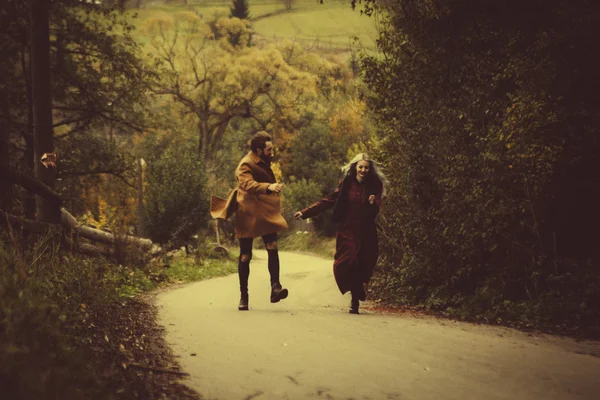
(298, 214)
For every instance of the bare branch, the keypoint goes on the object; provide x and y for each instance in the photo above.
(70, 121)
(180, 96)
(135, 127)
(79, 128)
(116, 173)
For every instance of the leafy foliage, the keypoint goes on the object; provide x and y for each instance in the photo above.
(176, 197)
(68, 328)
(313, 166)
(98, 88)
(349, 121)
(298, 195)
(315, 155)
(37, 357)
(217, 77)
(488, 126)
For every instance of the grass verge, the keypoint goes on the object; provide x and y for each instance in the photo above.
(307, 242)
(73, 327)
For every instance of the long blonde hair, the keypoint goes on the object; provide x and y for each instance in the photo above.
(374, 172)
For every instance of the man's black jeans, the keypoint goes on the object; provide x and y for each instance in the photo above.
(244, 266)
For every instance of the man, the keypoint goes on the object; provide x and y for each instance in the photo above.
(256, 204)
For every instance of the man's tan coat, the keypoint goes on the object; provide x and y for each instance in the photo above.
(257, 213)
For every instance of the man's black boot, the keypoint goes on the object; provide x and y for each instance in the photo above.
(243, 273)
(243, 306)
(278, 293)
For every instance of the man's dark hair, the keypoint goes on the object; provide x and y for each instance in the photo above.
(259, 139)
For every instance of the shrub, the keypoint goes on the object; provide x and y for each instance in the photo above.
(176, 197)
(492, 206)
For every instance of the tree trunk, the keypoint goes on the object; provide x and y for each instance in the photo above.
(6, 194)
(42, 105)
(97, 235)
(141, 210)
(94, 251)
(217, 136)
(203, 138)
(27, 161)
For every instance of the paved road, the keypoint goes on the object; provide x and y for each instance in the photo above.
(308, 347)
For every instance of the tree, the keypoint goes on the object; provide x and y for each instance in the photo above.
(42, 107)
(240, 9)
(97, 89)
(6, 196)
(216, 82)
(349, 122)
(486, 132)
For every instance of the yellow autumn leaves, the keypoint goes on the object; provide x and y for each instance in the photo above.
(214, 73)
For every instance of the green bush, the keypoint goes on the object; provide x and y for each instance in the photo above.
(492, 207)
(176, 197)
(58, 332)
(317, 157)
(315, 162)
(299, 194)
(43, 295)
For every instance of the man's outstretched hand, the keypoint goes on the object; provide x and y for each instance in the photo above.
(275, 187)
(298, 215)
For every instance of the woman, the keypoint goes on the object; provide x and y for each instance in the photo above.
(356, 203)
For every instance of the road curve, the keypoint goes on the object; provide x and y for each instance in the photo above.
(309, 347)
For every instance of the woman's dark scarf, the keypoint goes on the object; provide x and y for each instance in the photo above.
(374, 186)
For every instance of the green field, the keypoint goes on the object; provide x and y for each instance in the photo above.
(330, 26)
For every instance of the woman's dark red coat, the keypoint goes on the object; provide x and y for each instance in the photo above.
(356, 239)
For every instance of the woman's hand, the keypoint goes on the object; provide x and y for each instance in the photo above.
(372, 199)
(298, 215)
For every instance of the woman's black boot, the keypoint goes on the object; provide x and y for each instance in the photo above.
(360, 291)
(354, 304)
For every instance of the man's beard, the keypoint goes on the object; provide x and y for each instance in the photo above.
(266, 159)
